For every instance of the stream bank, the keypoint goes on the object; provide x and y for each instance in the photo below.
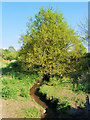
(50, 108)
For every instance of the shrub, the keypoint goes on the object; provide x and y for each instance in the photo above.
(53, 81)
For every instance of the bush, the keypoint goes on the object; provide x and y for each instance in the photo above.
(53, 81)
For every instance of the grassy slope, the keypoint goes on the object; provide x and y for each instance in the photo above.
(15, 88)
(62, 91)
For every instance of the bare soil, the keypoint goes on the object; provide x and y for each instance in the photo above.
(10, 108)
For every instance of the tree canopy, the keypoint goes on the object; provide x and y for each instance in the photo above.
(50, 46)
(9, 54)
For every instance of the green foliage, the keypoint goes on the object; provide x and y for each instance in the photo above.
(67, 80)
(76, 99)
(9, 54)
(24, 93)
(50, 46)
(15, 83)
(12, 49)
(53, 81)
(82, 105)
(63, 107)
(9, 92)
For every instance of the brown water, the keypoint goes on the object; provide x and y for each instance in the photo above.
(35, 97)
(49, 112)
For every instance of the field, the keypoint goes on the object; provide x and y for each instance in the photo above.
(16, 101)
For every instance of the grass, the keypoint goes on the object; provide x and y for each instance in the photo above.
(60, 92)
(28, 112)
(63, 92)
(13, 87)
(16, 83)
(13, 81)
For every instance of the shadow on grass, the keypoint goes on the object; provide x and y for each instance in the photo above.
(15, 69)
(71, 114)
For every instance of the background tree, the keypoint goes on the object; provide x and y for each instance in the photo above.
(10, 53)
(12, 49)
(83, 26)
(50, 46)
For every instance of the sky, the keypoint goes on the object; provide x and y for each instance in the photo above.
(14, 17)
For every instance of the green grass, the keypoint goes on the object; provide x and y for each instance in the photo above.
(16, 83)
(64, 94)
(55, 92)
(13, 87)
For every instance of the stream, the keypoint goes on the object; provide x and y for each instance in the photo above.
(50, 108)
(49, 111)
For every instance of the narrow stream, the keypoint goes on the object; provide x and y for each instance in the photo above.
(49, 112)
(50, 108)
(37, 98)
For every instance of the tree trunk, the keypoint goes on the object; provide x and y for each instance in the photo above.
(46, 77)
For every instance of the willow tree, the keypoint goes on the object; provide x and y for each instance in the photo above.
(48, 43)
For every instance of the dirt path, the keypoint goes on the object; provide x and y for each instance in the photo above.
(13, 108)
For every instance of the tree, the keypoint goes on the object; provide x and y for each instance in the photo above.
(84, 29)
(49, 46)
(12, 49)
(10, 53)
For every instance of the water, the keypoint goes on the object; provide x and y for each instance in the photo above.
(50, 113)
